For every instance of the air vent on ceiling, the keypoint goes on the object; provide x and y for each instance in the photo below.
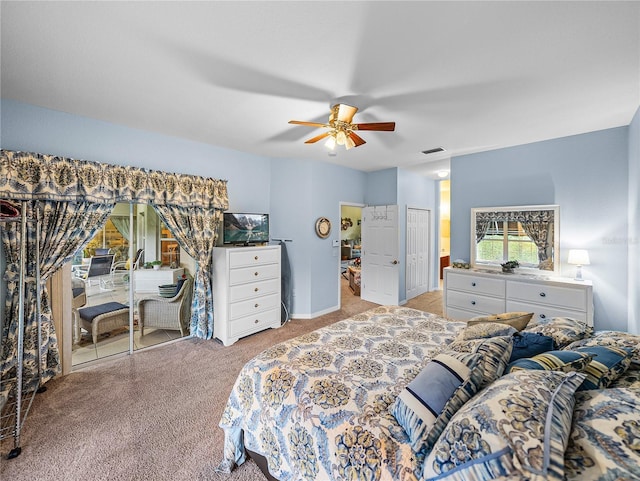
(433, 151)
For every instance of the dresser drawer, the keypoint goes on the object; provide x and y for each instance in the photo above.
(259, 304)
(241, 258)
(567, 297)
(257, 322)
(476, 284)
(542, 312)
(461, 314)
(253, 289)
(473, 302)
(252, 274)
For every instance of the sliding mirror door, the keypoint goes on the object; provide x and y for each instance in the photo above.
(124, 284)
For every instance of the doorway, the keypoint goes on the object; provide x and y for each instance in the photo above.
(350, 251)
(445, 227)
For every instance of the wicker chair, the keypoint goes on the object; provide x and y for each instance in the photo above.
(171, 313)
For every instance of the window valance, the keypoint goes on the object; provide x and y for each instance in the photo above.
(33, 176)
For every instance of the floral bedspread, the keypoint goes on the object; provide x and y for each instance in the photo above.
(317, 406)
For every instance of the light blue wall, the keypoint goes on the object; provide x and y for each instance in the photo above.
(586, 175)
(34, 129)
(302, 191)
(421, 193)
(382, 187)
(634, 224)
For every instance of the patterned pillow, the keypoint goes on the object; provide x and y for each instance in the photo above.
(563, 330)
(484, 330)
(495, 351)
(424, 407)
(604, 436)
(518, 426)
(613, 338)
(630, 378)
(519, 320)
(565, 361)
(528, 344)
(608, 364)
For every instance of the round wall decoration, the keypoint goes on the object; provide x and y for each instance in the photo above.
(323, 227)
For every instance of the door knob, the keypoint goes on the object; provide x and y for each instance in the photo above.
(394, 262)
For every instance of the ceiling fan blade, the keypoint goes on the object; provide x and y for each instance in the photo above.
(356, 139)
(346, 113)
(310, 124)
(383, 126)
(316, 138)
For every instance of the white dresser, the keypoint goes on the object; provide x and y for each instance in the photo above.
(246, 291)
(477, 292)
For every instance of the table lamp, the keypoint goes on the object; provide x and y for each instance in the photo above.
(578, 258)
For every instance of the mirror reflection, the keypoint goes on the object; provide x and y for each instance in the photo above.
(527, 234)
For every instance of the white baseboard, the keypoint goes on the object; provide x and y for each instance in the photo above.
(313, 315)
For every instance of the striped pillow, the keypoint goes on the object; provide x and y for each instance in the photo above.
(495, 352)
(424, 407)
(608, 364)
(565, 361)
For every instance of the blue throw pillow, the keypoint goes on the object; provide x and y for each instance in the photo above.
(424, 407)
(608, 364)
(529, 344)
(179, 285)
(565, 361)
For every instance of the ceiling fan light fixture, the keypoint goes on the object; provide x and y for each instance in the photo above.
(330, 143)
(342, 130)
(349, 143)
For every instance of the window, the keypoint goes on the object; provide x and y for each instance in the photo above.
(507, 240)
(169, 248)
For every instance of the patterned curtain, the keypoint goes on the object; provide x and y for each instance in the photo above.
(196, 232)
(27, 176)
(30, 176)
(483, 220)
(538, 225)
(65, 227)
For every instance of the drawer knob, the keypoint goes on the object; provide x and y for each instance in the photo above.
(255, 273)
(542, 294)
(473, 284)
(256, 321)
(473, 303)
(256, 305)
(256, 257)
(256, 290)
(542, 316)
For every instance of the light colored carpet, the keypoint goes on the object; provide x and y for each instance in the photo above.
(153, 415)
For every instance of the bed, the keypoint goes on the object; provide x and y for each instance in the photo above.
(329, 405)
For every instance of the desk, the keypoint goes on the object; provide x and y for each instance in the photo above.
(354, 279)
(148, 280)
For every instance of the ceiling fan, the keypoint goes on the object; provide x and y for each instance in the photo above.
(342, 131)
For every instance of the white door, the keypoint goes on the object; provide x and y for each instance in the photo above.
(380, 250)
(417, 278)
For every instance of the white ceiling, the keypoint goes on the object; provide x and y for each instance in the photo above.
(465, 76)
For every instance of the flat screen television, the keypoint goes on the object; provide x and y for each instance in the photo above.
(245, 229)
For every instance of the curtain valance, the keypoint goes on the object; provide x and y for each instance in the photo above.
(33, 176)
(522, 216)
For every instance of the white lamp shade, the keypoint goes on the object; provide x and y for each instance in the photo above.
(578, 257)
